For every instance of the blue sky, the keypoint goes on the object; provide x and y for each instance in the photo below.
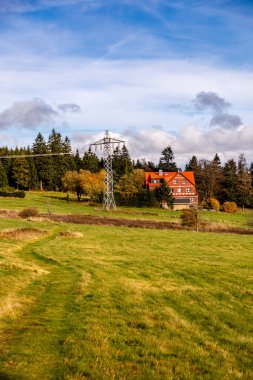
(154, 72)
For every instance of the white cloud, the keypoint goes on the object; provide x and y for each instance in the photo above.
(117, 95)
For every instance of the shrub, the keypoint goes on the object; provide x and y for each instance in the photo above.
(29, 212)
(215, 204)
(15, 194)
(230, 207)
(189, 218)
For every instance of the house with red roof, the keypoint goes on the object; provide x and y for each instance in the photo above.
(182, 185)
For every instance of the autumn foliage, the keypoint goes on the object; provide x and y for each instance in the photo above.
(215, 204)
(84, 182)
(230, 207)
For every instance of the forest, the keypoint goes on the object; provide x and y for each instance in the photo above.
(231, 181)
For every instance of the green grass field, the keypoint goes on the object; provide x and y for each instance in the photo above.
(123, 303)
(56, 203)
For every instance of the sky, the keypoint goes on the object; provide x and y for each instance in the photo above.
(153, 72)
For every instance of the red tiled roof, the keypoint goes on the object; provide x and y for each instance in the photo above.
(168, 176)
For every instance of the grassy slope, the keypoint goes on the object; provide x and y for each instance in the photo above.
(56, 203)
(125, 304)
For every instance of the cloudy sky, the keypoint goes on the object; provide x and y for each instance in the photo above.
(153, 72)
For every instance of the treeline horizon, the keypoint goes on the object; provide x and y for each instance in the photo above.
(232, 181)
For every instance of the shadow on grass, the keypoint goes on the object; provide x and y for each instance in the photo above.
(4, 376)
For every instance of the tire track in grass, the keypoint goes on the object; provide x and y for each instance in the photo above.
(34, 343)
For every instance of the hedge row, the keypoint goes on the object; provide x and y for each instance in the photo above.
(15, 194)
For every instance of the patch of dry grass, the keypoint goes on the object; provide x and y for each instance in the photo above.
(71, 234)
(21, 233)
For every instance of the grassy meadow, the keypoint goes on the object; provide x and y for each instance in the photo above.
(55, 202)
(97, 302)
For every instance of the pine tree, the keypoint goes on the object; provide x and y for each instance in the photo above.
(78, 161)
(244, 188)
(121, 163)
(55, 146)
(90, 162)
(69, 161)
(43, 164)
(217, 177)
(251, 173)
(7, 162)
(20, 173)
(229, 186)
(33, 175)
(192, 165)
(164, 194)
(166, 161)
(3, 176)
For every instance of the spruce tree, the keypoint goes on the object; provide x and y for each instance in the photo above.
(55, 146)
(217, 177)
(164, 194)
(166, 162)
(7, 162)
(60, 163)
(244, 188)
(3, 176)
(192, 165)
(121, 163)
(20, 173)
(43, 164)
(33, 175)
(78, 161)
(229, 185)
(69, 161)
(90, 162)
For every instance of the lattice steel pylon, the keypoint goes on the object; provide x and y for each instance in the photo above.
(107, 144)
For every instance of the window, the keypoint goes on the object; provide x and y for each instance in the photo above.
(191, 199)
(184, 182)
(179, 190)
(155, 180)
(175, 181)
(188, 189)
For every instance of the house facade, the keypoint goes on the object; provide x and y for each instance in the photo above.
(182, 185)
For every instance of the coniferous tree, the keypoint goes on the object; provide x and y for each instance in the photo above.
(121, 163)
(164, 194)
(166, 161)
(55, 146)
(244, 188)
(251, 173)
(33, 175)
(217, 177)
(43, 164)
(3, 176)
(229, 185)
(192, 165)
(90, 161)
(78, 161)
(7, 162)
(147, 166)
(20, 173)
(195, 166)
(69, 161)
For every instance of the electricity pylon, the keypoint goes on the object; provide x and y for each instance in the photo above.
(107, 144)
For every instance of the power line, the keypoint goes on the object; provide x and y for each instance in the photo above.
(36, 155)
